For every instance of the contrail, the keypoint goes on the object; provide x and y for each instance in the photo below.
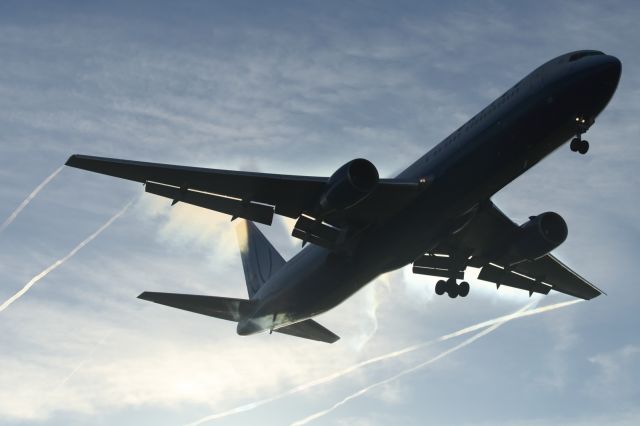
(397, 376)
(84, 361)
(522, 312)
(81, 364)
(27, 200)
(59, 262)
(491, 324)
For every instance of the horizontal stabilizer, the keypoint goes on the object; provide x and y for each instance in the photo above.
(219, 307)
(309, 329)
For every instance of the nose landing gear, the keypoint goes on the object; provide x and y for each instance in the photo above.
(452, 288)
(578, 144)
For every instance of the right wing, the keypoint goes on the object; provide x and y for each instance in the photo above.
(290, 195)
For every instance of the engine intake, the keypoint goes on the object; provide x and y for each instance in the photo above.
(350, 184)
(538, 236)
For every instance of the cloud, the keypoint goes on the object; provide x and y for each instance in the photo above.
(62, 260)
(227, 89)
(613, 377)
(27, 200)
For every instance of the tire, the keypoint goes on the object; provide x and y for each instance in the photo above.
(575, 144)
(463, 289)
(440, 287)
(584, 147)
(453, 293)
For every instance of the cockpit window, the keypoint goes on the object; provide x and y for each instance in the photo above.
(580, 55)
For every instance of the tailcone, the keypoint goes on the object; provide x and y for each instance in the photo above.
(249, 326)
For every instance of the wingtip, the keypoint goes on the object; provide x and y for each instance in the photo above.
(145, 295)
(72, 160)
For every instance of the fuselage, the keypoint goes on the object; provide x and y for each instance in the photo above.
(501, 142)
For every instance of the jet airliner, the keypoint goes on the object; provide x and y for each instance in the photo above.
(437, 214)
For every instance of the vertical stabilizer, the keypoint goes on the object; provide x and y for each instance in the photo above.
(260, 259)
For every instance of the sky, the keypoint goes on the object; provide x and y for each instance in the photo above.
(296, 88)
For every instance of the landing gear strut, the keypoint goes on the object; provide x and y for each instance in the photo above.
(578, 144)
(452, 288)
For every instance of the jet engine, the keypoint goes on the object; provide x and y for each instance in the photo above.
(537, 237)
(349, 185)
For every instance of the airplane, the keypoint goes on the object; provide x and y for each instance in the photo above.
(436, 214)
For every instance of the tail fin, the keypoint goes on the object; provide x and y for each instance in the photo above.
(260, 260)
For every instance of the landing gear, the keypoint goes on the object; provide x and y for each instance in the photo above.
(577, 144)
(452, 288)
(463, 289)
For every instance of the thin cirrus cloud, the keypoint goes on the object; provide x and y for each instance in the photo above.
(490, 325)
(14, 214)
(260, 94)
(33, 281)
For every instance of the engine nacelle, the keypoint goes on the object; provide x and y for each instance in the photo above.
(349, 185)
(537, 237)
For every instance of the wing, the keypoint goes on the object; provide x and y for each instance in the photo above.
(256, 196)
(541, 276)
(486, 235)
(290, 195)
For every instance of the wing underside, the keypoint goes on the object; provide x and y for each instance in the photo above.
(486, 232)
(258, 196)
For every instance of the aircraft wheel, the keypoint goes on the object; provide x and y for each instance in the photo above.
(440, 287)
(575, 144)
(452, 288)
(584, 147)
(463, 289)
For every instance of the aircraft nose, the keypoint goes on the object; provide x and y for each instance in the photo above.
(599, 82)
(609, 69)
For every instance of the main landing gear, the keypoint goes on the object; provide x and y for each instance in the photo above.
(452, 288)
(578, 144)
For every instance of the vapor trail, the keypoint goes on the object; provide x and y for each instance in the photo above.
(400, 374)
(522, 312)
(84, 361)
(59, 262)
(27, 200)
(491, 324)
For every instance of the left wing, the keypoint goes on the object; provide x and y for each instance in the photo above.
(258, 196)
(541, 276)
(478, 245)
